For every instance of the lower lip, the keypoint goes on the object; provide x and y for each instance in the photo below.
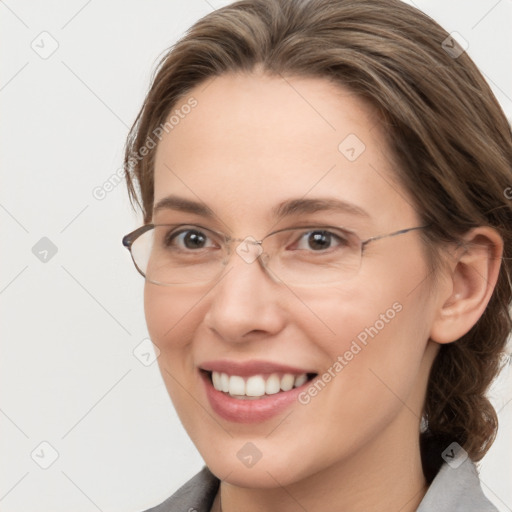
(249, 411)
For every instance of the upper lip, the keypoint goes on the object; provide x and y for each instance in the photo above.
(252, 367)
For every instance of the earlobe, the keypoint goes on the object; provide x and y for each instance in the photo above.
(471, 279)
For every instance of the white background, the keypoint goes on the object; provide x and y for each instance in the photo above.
(68, 373)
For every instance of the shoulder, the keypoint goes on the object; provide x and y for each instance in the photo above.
(456, 489)
(196, 495)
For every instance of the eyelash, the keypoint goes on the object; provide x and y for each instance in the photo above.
(172, 236)
(342, 240)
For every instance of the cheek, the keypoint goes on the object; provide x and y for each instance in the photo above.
(372, 335)
(171, 322)
(169, 316)
(373, 366)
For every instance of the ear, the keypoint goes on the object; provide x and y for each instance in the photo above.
(470, 279)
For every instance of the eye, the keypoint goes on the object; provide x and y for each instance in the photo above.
(321, 240)
(191, 238)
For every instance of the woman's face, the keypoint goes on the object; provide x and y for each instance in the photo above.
(251, 144)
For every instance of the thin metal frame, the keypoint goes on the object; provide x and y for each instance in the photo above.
(130, 238)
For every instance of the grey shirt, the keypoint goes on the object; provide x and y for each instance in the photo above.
(452, 490)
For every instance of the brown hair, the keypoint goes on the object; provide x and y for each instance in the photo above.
(445, 128)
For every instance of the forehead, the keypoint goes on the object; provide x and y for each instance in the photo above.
(252, 141)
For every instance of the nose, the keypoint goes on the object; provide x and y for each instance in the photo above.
(246, 304)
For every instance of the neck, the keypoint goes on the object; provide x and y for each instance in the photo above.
(385, 475)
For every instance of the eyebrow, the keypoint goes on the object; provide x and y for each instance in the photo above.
(284, 209)
(183, 205)
(301, 206)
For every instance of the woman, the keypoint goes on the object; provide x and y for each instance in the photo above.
(326, 247)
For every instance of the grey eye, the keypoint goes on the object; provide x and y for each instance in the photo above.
(189, 238)
(319, 240)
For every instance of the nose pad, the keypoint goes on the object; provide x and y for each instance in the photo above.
(264, 261)
(251, 251)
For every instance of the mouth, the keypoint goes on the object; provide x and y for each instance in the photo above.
(252, 390)
(253, 398)
(257, 386)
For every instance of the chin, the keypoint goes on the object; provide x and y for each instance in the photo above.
(276, 467)
(263, 475)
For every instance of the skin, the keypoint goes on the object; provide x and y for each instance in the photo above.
(252, 142)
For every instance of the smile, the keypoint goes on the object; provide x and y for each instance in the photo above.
(256, 386)
(254, 391)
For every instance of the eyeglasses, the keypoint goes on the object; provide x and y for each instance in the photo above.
(179, 254)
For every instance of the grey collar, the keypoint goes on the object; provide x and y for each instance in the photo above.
(456, 489)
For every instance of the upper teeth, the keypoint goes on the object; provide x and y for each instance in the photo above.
(256, 385)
